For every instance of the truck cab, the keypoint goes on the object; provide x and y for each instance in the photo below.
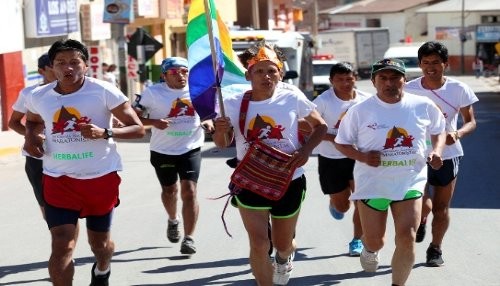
(321, 72)
(408, 53)
(296, 47)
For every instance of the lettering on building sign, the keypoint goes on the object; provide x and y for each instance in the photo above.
(95, 62)
(56, 7)
(132, 68)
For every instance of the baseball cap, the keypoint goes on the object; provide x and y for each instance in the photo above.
(389, 64)
(173, 62)
(43, 61)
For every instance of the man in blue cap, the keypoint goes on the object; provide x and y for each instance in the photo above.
(177, 135)
(33, 166)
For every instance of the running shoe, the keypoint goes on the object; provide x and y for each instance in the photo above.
(335, 214)
(355, 247)
(420, 233)
(187, 246)
(99, 280)
(434, 256)
(282, 272)
(173, 234)
(369, 260)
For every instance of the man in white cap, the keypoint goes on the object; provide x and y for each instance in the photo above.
(176, 139)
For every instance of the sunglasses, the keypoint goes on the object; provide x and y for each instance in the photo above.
(177, 71)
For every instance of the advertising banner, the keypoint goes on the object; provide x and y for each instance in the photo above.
(48, 18)
(118, 11)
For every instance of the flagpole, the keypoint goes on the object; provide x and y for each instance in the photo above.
(214, 57)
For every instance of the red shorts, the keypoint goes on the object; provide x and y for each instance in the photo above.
(91, 197)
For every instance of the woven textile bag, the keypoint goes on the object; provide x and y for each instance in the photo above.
(263, 171)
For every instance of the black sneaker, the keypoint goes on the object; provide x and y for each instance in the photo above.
(434, 256)
(187, 246)
(420, 233)
(99, 280)
(173, 234)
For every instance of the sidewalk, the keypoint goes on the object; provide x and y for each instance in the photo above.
(11, 144)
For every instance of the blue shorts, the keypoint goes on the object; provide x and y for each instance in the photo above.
(58, 216)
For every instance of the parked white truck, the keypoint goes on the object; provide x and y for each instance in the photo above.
(359, 46)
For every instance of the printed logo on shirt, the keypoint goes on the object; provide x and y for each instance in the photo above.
(264, 127)
(398, 145)
(65, 130)
(398, 137)
(67, 119)
(181, 107)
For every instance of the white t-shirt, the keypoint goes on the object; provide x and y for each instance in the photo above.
(66, 151)
(399, 132)
(333, 109)
(20, 106)
(184, 133)
(453, 95)
(274, 121)
(110, 77)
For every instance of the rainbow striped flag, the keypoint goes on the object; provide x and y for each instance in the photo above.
(205, 75)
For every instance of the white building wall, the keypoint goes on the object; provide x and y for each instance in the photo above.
(396, 24)
(453, 19)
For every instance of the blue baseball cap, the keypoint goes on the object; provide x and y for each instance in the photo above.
(43, 61)
(173, 62)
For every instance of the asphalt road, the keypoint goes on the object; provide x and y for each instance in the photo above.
(145, 257)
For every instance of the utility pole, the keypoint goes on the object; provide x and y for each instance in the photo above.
(255, 14)
(463, 38)
(315, 26)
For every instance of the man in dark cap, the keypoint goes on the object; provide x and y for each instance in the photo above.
(386, 134)
(33, 166)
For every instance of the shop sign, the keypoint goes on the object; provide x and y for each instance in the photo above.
(93, 28)
(488, 33)
(118, 11)
(95, 63)
(49, 18)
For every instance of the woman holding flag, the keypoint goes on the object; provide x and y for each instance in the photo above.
(273, 117)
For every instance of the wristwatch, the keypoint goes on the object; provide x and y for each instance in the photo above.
(108, 133)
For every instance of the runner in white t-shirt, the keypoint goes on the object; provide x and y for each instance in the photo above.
(279, 111)
(33, 165)
(80, 161)
(454, 98)
(386, 134)
(176, 139)
(334, 168)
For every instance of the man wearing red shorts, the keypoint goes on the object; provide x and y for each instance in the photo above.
(80, 160)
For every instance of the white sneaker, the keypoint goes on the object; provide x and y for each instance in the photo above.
(369, 260)
(282, 272)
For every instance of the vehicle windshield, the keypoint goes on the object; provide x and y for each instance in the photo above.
(321, 69)
(410, 62)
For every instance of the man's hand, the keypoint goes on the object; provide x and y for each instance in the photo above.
(91, 131)
(435, 161)
(208, 126)
(162, 124)
(34, 145)
(371, 158)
